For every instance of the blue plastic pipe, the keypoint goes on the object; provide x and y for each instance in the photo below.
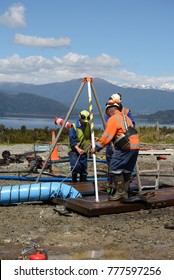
(46, 179)
(36, 192)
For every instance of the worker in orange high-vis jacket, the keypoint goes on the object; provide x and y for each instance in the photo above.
(120, 130)
(116, 98)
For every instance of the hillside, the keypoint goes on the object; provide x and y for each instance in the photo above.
(26, 104)
(166, 117)
(141, 101)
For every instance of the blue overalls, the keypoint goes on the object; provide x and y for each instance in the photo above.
(79, 135)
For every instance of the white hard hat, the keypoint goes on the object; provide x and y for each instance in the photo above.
(111, 105)
(115, 98)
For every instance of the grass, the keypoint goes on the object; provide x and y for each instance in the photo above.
(10, 136)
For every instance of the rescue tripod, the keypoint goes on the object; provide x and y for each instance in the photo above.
(91, 89)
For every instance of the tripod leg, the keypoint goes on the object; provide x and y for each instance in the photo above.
(98, 105)
(61, 129)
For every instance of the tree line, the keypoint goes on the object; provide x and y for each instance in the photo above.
(23, 135)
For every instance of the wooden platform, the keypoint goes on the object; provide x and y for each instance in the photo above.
(88, 206)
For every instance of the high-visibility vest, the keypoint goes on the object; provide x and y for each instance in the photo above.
(134, 142)
(115, 128)
(125, 111)
(83, 137)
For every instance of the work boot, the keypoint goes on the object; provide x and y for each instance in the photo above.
(127, 180)
(83, 178)
(74, 178)
(118, 187)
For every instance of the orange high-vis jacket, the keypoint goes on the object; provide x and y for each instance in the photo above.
(125, 111)
(115, 127)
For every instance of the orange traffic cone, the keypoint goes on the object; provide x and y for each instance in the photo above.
(54, 154)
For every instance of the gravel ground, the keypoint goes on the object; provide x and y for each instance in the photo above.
(131, 236)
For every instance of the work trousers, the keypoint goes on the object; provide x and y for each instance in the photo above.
(78, 164)
(109, 153)
(123, 160)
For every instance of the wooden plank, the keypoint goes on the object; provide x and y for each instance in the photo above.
(89, 207)
(85, 188)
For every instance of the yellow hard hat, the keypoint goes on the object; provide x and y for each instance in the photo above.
(84, 116)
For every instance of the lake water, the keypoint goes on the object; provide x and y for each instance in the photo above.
(32, 123)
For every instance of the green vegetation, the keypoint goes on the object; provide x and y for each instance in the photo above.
(23, 135)
(156, 135)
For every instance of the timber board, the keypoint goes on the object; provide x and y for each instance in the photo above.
(88, 206)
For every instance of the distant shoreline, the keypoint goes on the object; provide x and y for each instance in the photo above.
(42, 122)
(138, 119)
(20, 115)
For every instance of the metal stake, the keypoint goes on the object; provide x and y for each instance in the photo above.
(89, 80)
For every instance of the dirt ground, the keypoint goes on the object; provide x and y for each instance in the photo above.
(130, 236)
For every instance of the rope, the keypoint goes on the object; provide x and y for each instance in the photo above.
(74, 166)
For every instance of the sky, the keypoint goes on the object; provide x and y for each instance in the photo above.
(126, 42)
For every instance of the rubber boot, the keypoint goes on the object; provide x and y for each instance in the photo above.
(109, 181)
(127, 180)
(118, 187)
(74, 177)
(82, 178)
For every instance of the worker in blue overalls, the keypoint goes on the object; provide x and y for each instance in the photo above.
(79, 145)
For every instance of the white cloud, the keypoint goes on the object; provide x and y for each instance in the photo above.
(102, 60)
(40, 70)
(133, 79)
(107, 61)
(14, 16)
(40, 41)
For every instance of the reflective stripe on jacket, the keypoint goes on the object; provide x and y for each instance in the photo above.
(128, 113)
(115, 127)
(125, 111)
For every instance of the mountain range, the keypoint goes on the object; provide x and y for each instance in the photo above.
(29, 105)
(56, 98)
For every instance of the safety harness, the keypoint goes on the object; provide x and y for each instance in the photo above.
(123, 141)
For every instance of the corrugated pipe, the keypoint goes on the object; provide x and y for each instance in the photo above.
(36, 192)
